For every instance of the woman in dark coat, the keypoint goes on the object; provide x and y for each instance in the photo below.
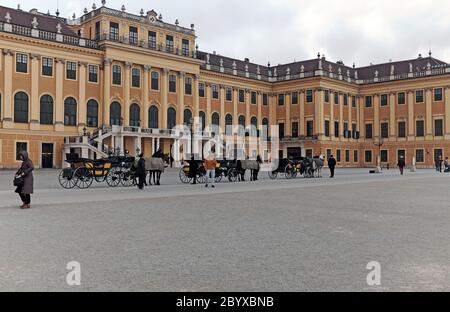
(25, 171)
(193, 166)
(141, 172)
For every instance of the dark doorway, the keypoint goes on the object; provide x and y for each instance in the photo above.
(401, 154)
(47, 155)
(294, 152)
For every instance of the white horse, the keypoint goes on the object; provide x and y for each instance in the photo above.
(156, 167)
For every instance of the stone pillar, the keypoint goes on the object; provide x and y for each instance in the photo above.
(222, 108)
(34, 100)
(7, 95)
(331, 100)
(447, 113)
(82, 96)
(145, 95)
(392, 117)
(164, 95)
(376, 115)
(106, 90)
(288, 115)
(259, 103)
(361, 122)
(341, 116)
(272, 113)
(196, 96)
(318, 113)
(247, 108)
(180, 98)
(411, 119)
(59, 104)
(350, 117)
(302, 125)
(208, 105)
(235, 106)
(429, 114)
(126, 94)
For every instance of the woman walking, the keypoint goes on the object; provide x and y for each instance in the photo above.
(25, 179)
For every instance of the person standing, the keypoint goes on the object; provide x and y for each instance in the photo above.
(332, 165)
(141, 171)
(210, 166)
(446, 165)
(25, 172)
(401, 164)
(256, 171)
(193, 167)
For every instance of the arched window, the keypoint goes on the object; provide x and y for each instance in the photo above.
(202, 116)
(187, 116)
(135, 115)
(265, 128)
(115, 113)
(229, 124)
(21, 107)
(92, 114)
(254, 123)
(171, 118)
(153, 117)
(241, 122)
(46, 112)
(70, 112)
(215, 122)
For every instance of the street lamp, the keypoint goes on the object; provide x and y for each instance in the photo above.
(379, 144)
(191, 125)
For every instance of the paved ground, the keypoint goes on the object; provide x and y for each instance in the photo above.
(297, 235)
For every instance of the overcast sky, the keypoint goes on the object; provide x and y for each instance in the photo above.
(281, 31)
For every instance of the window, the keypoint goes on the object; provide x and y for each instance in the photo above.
(202, 116)
(21, 63)
(171, 118)
(97, 31)
(384, 156)
(135, 115)
(368, 156)
(115, 114)
(114, 31)
(134, 37)
(338, 155)
(254, 98)
(280, 99)
(241, 96)
(354, 101)
(265, 128)
(355, 156)
(153, 117)
(172, 84)
(241, 122)
(346, 130)
(71, 70)
(294, 98)
(327, 128)
(21, 107)
(384, 100)
(188, 85)
(438, 127)
(229, 94)
(420, 156)
(336, 98)
(438, 94)
(117, 75)
(354, 134)
(309, 96)
(368, 101)
(136, 78)
(327, 96)
(281, 131)
(369, 134)
(152, 40)
(419, 96)
(46, 110)
(155, 81)
(47, 67)
(215, 91)
(420, 128)
(93, 73)
(229, 124)
(169, 45)
(347, 156)
(336, 129)
(185, 47)
(70, 112)
(310, 128)
(345, 100)
(385, 130)
(92, 114)
(265, 99)
(21, 147)
(187, 116)
(201, 89)
(401, 98)
(295, 129)
(402, 129)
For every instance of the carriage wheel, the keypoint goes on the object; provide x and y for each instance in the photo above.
(84, 178)
(218, 178)
(232, 175)
(273, 175)
(113, 177)
(127, 178)
(67, 182)
(289, 172)
(184, 177)
(201, 177)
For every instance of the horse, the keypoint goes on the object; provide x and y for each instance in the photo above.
(312, 167)
(251, 165)
(318, 163)
(156, 167)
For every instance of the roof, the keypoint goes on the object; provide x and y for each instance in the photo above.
(45, 22)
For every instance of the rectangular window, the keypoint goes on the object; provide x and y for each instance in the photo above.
(229, 94)
(185, 47)
(438, 153)
(384, 156)
(345, 99)
(347, 156)
(254, 98)
(438, 127)
(134, 37)
(21, 63)
(420, 132)
(136, 78)
(281, 130)
(438, 94)
(155, 81)
(265, 99)
(420, 156)
(201, 90)
(338, 155)
(294, 98)
(113, 31)
(97, 31)
(152, 40)
(47, 66)
(354, 101)
(384, 100)
(368, 101)
(295, 129)
(241, 96)
(169, 44)
(117, 75)
(369, 134)
(71, 71)
(309, 153)
(402, 129)
(384, 130)
(345, 134)
(327, 96)
(336, 98)
(419, 96)
(215, 92)
(309, 96)
(401, 98)
(355, 156)
(327, 128)
(172, 83)
(368, 156)
(280, 99)
(310, 128)
(336, 129)
(188, 86)
(93, 73)
(21, 147)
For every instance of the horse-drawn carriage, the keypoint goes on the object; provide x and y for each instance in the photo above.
(284, 167)
(185, 175)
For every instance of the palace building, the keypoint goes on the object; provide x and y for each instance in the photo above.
(112, 80)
